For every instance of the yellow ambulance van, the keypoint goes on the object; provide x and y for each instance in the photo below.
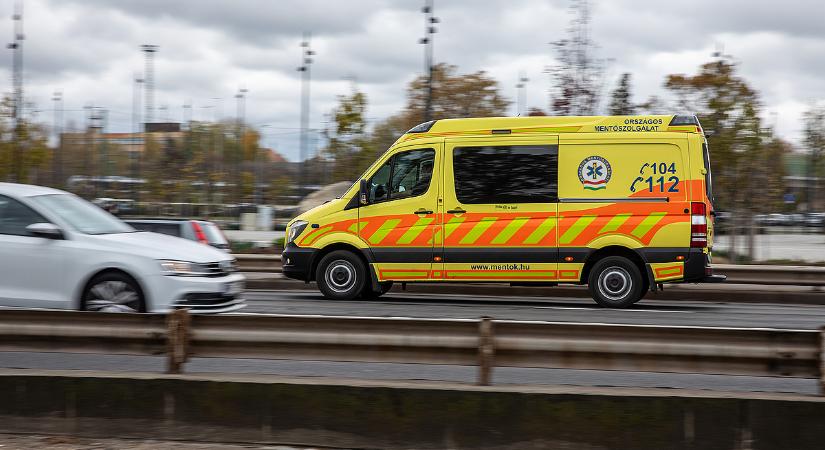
(622, 204)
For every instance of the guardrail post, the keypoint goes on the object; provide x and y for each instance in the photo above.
(486, 351)
(822, 361)
(177, 340)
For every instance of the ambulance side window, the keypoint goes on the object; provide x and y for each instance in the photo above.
(411, 173)
(406, 174)
(379, 182)
(506, 174)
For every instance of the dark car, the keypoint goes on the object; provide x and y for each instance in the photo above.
(201, 231)
(722, 218)
(815, 220)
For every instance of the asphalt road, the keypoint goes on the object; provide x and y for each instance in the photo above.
(653, 312)
(402, 304)
(389, 371)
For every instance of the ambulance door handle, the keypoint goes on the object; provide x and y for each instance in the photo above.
(423, 211)
(456, 211)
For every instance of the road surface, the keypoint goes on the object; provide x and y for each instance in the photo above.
(555, 309)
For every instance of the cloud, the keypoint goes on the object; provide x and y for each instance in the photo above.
(258, 22)
(89, 49)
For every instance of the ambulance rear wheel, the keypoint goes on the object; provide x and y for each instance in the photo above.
(341, 275)
(645, 288)
(615, 282)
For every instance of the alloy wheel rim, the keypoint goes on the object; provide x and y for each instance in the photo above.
(112, 296)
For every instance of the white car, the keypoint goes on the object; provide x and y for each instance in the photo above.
(60, 251)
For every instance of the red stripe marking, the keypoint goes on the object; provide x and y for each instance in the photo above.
(423, 274)
(659, 271)
(498, 274)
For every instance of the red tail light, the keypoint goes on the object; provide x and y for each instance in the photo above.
(698, 225)
(199, 235)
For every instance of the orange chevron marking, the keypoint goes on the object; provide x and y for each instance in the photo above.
(674, 213)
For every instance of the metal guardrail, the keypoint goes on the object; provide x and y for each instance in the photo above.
(69, 331)
(772, 275)
(737, 273)
(256, 258)
(485, 343)
(258, 263)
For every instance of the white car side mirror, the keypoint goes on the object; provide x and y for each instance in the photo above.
(45, 230)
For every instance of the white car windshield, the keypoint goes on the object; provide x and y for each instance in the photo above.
(82, 215)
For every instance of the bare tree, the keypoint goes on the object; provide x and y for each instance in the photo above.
(577, 77)
(621, 103)
(814, 138)
(729, 108)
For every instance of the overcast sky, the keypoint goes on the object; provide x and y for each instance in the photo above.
(89, 50)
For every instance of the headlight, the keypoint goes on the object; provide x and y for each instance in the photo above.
(183, 268)
(295, 230)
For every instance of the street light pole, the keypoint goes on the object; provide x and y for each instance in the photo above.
(427, 41)
(240, 99)
(17, 81)
(187, 114)
(103, 154)
(259, 169)
(306, 55)
(57, 170)
(208, 147)
(218, 137)
(522, 93)
(149, 51)
(87, 151)
(96, 126)
(138, 138)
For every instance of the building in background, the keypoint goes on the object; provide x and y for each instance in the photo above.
(125, 142)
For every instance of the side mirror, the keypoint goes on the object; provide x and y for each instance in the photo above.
(45, 230)
(363, 193)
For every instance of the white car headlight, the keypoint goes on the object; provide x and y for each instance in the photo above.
(182, 268)
(295, 230)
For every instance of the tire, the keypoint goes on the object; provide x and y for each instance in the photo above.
(383, 288)
(615, 282)
(645, 287)
(113, 292)
(341, 275)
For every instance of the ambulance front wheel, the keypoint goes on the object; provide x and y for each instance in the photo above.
(615, 282)
(341, 275)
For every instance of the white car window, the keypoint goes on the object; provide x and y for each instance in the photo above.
(82, 215)
(15, 217)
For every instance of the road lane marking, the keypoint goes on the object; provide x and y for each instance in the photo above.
(618, 310)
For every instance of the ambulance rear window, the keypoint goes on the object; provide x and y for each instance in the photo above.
(506, 174)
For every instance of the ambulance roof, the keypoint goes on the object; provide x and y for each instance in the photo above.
(547, 124)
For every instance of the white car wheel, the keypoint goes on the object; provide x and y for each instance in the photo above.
(113, 293)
